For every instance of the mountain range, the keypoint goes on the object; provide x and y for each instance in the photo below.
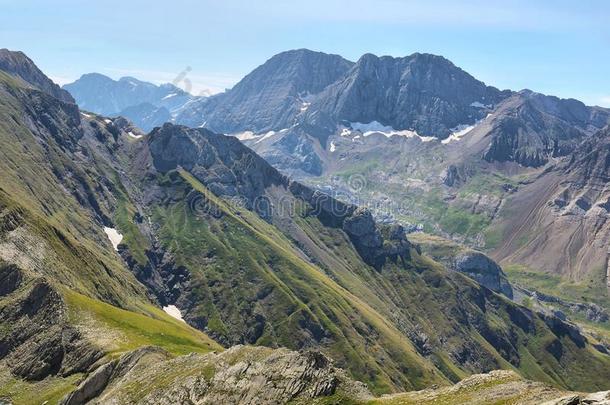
(145, 104)
(143, 267)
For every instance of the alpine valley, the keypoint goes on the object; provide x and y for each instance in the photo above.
(386, 231)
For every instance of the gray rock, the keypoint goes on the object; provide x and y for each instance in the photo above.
(485, 271)
(38, 340)
(271, 96)
(244, 375)
(19, 65)
(422, 92)
(529, 128)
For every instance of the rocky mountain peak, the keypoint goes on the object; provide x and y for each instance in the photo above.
(19, 65)
(272, 95)
(421, 92)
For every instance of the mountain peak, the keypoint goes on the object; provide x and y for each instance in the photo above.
(17, 63)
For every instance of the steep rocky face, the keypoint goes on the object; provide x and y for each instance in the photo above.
(272, 96)
(421, 92)
(530, 128)
(19, 65)
(485, 271)
(37, 339)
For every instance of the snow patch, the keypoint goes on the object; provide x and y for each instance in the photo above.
(267, 136)
(333, 147)
(375, 127)
(85, 115)
(114, 236)
(345, 132)
(457, 133)
(173, 311)
(134, 136)
(107, 121)
(246, 135)
(305, 106)
(169, 96)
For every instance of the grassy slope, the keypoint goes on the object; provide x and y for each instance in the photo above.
(345, 297)
(244, 243)
(57, 238)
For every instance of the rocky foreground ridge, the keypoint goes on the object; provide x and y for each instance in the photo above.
(256, 375)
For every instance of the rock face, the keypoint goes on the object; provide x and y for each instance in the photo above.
(473, 264)
(421, 92)
(19, 65)
(529, 128)
(483, 270)
(36, 339)
(244, 375)
(271, 96)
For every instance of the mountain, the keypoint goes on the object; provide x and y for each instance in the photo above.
(271, 96)
(423, 143)
(421, 92)
(289, 109)
(19, 65)
(567, 209)
(531, 128)
(146, 104)
(102, 227)
(67, 301)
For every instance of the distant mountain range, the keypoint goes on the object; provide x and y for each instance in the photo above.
(146, 104)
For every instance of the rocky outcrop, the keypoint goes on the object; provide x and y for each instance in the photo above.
(245, 375)
(599, 398)
(376, 244)
(110, 372)
(19, 65)
(37, 340)
(484, 271)
(471, 263)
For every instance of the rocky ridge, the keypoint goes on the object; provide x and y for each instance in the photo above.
(19, 65)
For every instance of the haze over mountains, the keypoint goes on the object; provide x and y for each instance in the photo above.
(146, 104)
(250, 256)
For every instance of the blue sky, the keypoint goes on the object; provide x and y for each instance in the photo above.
(555, 47)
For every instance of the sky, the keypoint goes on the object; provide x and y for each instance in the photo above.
(554, 47)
